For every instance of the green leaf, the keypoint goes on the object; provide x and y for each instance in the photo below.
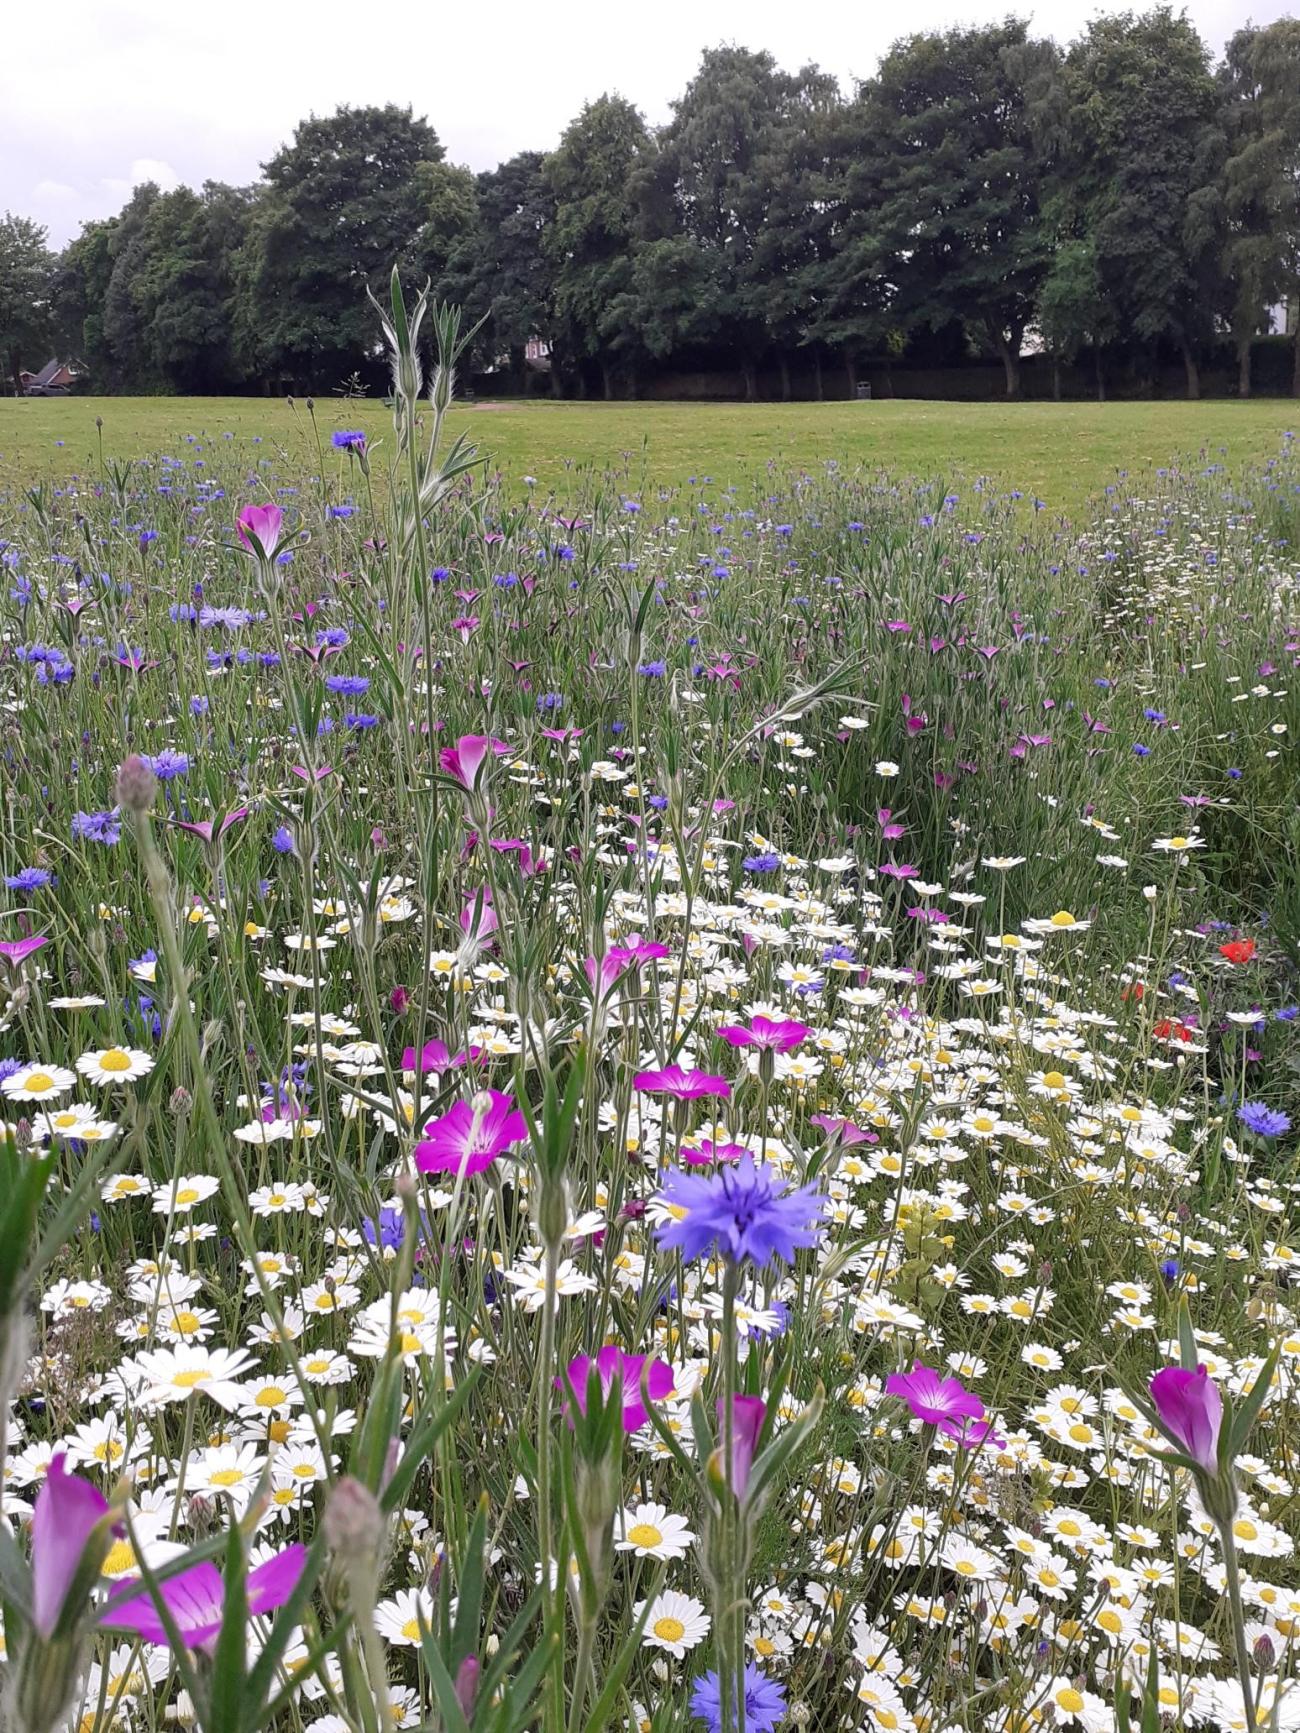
(469, 1587)
(424, 1435)
(230, 1661)
(1188, 1358)
(1247, 1411)
(444, 1686)
(287, 1621)
(598, 1719)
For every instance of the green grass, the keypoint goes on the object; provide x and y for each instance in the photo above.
(1063, 453)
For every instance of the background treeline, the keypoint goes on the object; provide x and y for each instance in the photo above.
(1120, 207)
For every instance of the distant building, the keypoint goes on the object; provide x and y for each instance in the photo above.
(55, 379)
(537, 350)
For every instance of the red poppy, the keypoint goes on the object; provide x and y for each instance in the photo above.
(1238, 950)
(1136, 991)
(1167, 1028)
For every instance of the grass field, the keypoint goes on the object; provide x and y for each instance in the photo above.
(1062, 453)
(612, 1104)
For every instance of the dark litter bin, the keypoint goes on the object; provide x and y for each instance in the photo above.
(863, 393)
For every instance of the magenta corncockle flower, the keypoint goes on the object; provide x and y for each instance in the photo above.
(433, 1057)
(892, 869)
(640, 950)
(15, 951)
(471, 1135)
(682, 1085)
(260, 529)
(747, 1416)
(305, 774)
(612, 1364)
(68, 1510)
(195, 1598)
(768, 1034)
(605, 974)
(478, 919)
(942, 1402)
(843, 1129)
(890, 828)
(204, 826)
(562, 735)
(135, 660)
(1191, 1411)
(465, 759)
(707, 1152)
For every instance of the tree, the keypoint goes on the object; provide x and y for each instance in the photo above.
(1144, 152)
(1259, 84)
(592, 174)
(342, 207)
(184, 287)
(25, 268)
(710, 191)
(953, 175)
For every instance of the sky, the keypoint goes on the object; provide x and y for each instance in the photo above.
(116, 92)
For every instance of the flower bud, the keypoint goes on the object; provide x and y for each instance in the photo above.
(136, 784)
(354, 1523)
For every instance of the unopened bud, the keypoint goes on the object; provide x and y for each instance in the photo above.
(181, 1100)
(467, 1684)
(354, 1523)
(136, 784)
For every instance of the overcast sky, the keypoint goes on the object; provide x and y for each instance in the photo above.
(99, 95)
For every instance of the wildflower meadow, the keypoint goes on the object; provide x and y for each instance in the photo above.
(649, 1109)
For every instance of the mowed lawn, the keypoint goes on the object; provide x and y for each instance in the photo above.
(1061, 453)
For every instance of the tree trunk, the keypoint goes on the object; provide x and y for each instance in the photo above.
(606, 381)
(1056, 381)
(632, 390)
(817, 374)
(1010, 354)
(887, 377)
(785, 379)
(15, 368)
(1243, 367)
(751, 379)
(1295, 376)
(1193, 375)
(1098, 375)
(851, 371)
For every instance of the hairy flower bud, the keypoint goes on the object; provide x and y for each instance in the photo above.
(136, 784)
(354, 1523)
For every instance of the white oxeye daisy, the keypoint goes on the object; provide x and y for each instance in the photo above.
(649, 1531)
(115, 1065)
(38, 1083)
(676, 1623)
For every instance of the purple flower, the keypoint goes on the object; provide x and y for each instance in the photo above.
(469, 1137)
(764, 1701)
(348, 441)
(747, 1416)
(739, 1211)
(1263, 1121)
(68, 1510)
(195, 1598)
(260, 529)
(681, 1085)
(1191, 1411)
(15, 951)
(942, 1402)
(29, 879)
(768, 1034)
(105, 827)
(465, 759)
(613, 1365)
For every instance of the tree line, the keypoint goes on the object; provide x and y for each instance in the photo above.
(1122, 200)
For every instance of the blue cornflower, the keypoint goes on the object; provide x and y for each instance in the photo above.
(97, 826)
(653, 670)
(1140, 751)
(282, 841)
(167, 764)
(1263, 1121)
(30, 879)
(764, 1701)
(387, 1232)
(198, 706)
(740, 1212)
(347, 685)
(761, 863)
(1169, 1271)
(1234, 776)
(550, 701)
(353, 440)
(334, 636)
(359, 721)
(342, 511)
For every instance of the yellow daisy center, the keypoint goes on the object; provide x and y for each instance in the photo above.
(669, 1629)
(644, 1534)
(115, 1060)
